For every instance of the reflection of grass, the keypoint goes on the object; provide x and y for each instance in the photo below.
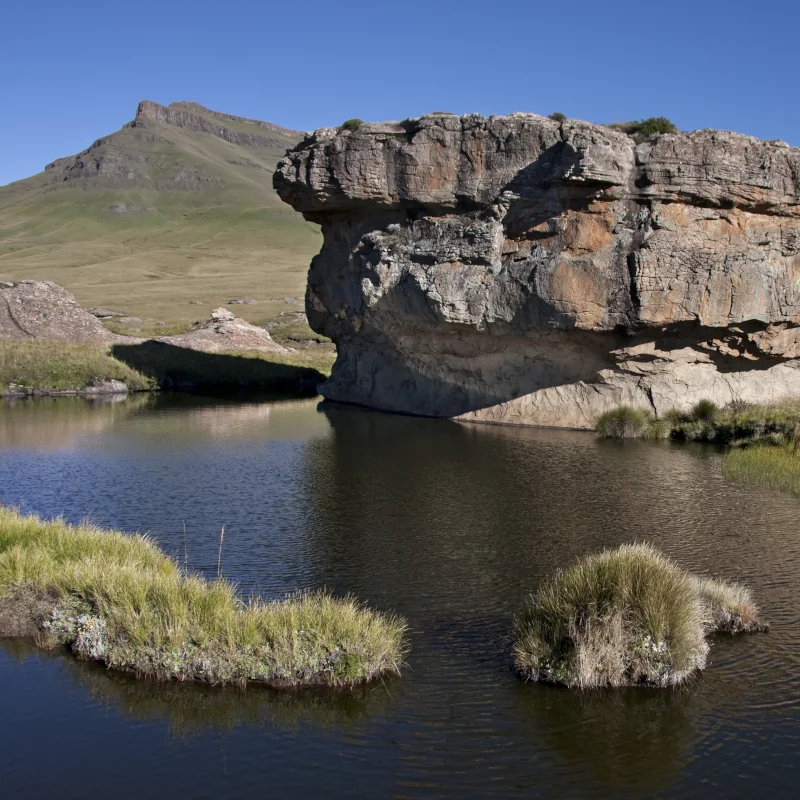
(776, 467)
(623, 617)
(117, 599)
(191, 708)
(625, 739)
(40, 365)
(174, 367)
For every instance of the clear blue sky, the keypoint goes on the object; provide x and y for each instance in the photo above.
(75, 71)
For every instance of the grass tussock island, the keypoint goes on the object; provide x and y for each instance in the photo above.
(117, 599)
(764, 439)
(37, 366)
(625, 617)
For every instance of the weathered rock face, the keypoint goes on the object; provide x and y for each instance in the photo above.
(45, 310)
(225, 332)
(514, 269)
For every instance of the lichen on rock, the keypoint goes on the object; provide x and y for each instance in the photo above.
(523, 270)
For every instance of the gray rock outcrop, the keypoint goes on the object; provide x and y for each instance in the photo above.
(45, 310)
(224, 332)
(520, 270)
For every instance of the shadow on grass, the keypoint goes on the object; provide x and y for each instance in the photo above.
(182, 369)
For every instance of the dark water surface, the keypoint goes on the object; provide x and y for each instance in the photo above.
(450, 525)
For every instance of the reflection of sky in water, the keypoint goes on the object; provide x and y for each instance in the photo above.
(449, 524)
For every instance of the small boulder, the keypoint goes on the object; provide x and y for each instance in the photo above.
(225, 333)
(104, 313)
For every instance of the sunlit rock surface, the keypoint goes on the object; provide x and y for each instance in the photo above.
(520, 270)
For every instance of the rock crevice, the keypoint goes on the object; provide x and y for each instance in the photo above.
(514, 269)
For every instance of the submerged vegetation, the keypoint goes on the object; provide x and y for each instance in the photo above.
(764, 438)
(623, 617)
(116, 598)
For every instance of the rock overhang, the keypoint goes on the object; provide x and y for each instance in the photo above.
(446, 228)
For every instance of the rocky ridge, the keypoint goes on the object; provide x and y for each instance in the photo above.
(195, 117)
(522, 270)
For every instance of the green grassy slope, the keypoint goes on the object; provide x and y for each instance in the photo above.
(176, 206)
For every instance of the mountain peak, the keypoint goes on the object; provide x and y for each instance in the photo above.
(187, 114)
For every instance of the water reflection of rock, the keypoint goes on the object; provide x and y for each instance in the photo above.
(636, 739)
(192, 709)
(58, 422)
(52, 423)
(201, 417)
(470, 517)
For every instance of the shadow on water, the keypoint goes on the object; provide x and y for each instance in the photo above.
(191, 709)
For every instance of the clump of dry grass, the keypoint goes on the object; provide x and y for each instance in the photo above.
(626, 422)
(118, 599)
(736, 424)
(623, 617)
(729, 606)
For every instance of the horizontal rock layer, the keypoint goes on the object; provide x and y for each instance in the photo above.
(518, 269)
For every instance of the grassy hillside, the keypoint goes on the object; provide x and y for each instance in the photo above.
(176, 206)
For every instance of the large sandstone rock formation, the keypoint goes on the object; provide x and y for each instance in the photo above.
(516, 269)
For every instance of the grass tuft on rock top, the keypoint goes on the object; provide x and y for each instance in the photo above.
(351, 124)
(627, 616)
(116, 598)
(643, 128)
